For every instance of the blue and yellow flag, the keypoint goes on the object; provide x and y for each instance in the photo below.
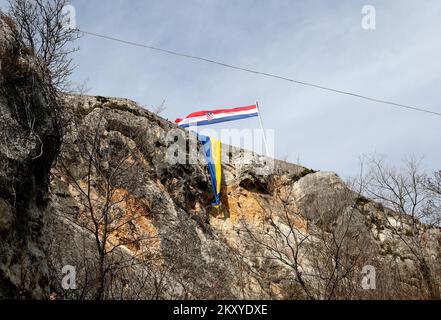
(212, 152)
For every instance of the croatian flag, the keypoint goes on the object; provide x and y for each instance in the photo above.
(202, 118)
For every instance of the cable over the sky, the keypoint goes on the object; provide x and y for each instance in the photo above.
(308, 84)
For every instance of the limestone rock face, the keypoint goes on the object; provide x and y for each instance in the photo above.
(118, 164)
(28, 143)
(192, 249)
(312, 193)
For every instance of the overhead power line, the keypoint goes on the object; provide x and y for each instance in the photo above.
(308, 84)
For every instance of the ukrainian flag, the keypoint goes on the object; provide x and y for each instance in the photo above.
(212, 152)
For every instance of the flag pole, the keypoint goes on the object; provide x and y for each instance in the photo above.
(263, 130)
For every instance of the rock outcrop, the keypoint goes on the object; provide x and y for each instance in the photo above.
(193, 250)
(28, 146)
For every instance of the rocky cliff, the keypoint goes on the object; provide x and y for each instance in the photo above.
(135, 225)
(29, 142)
(278, 222)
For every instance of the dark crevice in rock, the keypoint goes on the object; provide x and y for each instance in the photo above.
(254, 183)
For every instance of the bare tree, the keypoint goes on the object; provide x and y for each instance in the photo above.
(433, 208)
(42, 29)
(41, 62)
(415, 200)
(160, 108)
(326, 255)
(340, 247)
(101, 175)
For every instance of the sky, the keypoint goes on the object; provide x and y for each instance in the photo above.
(316, 41)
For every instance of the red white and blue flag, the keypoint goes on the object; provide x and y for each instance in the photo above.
(201, 118)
